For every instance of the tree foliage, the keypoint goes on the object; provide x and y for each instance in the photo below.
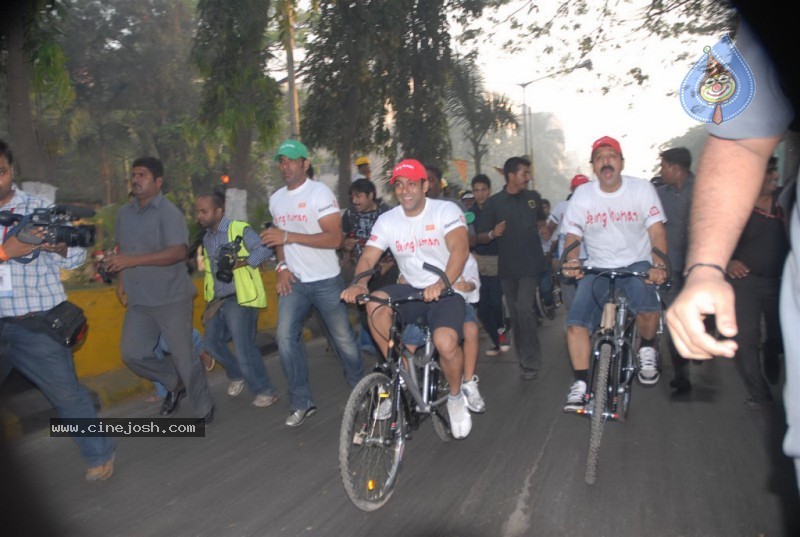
(238, 96)
(474, 110)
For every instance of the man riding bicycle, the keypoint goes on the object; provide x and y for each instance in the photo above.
(620, 220)
(418, 231)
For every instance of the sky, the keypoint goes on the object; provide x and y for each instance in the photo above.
(640, 117)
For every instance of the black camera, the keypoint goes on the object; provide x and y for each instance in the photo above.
(54, 221)
(227, 255)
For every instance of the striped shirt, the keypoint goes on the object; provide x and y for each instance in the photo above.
(36, 286)
(212, 241)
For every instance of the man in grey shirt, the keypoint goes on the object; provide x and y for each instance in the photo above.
(155, 287)
(675, 193)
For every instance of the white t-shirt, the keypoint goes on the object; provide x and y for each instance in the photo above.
(614, 225)
(415, 240)
(471, 275)
(299, 211)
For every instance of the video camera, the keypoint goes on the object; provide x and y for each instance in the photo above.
(227, 256)
(54, 221)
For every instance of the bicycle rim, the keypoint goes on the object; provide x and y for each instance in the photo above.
(369, 451)
(598, 419)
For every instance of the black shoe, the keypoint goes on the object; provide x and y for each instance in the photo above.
(172, 401)
(680, 385)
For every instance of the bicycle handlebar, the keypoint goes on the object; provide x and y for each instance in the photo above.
(419, 295)
(619, 271)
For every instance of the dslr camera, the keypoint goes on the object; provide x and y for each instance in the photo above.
(227, 255)
(54, 221)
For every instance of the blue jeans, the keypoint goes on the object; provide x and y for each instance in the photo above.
(293, 309)
(50, 367)
(587, 307)
(236, 322)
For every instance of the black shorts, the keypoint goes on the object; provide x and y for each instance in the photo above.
(446, 312)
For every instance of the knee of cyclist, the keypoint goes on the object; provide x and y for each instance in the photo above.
(446, 343)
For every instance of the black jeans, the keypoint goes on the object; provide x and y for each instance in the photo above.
(757, 296)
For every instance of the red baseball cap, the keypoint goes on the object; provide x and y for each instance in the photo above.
(411, 169)
(609, 141)
(577, 181)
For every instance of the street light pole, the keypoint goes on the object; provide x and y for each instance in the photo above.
(586, 64)
(525, 116)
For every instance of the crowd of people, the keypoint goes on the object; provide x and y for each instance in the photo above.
(499, 245)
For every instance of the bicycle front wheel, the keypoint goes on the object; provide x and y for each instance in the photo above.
(600, 392)
(370, 445)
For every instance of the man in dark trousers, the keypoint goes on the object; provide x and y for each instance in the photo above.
(511, 218)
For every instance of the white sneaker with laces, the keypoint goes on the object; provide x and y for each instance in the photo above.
(575, 398)
(235, 387)
(475, 402)
(460, 418)
(648, 365)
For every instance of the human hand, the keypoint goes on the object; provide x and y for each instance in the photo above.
(499, 229)
(705, 293)
(117, 262)
(736, 269)
(16, 248)
(349, 244)
(274, 236)
(571, 269)
(285, 281)
(433, 292)
(121, 296)
(657, 275)
(350, 294)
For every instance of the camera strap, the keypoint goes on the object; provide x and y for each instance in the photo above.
(25, 236)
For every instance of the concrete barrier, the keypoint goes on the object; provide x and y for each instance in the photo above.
(99, 354)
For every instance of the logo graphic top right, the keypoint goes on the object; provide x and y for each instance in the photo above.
(719, 86)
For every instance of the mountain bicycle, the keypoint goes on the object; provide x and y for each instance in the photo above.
(384, 408)
(613, 359)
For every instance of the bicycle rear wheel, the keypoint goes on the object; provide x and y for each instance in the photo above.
(600, 393)
(369, 449)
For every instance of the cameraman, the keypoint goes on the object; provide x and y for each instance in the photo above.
(232, 252)
(27, 290)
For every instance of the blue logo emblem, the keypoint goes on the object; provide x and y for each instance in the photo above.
(719, 86)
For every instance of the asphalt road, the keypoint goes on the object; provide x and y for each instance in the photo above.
(699, 465)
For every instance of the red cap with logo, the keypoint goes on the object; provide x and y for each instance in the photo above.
(609, 141)
(411, 169)
(577, 181)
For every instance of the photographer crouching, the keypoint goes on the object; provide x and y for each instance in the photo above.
(232, 252)
(30, 291)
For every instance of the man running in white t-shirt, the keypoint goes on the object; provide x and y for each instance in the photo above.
(620, 220)
(422, 230)
(307, 231)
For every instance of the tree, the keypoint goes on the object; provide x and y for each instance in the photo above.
(238, 96)
(132, 99)
(345, 107)
(33, 63)
(475, 111)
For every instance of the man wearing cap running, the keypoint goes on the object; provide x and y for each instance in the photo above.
(620, 220)
(307, 231)
(422, 230)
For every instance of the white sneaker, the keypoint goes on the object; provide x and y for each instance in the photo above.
(575, 399)
(460, 418)
(648, 365)
(235, 387)
(475, 402)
